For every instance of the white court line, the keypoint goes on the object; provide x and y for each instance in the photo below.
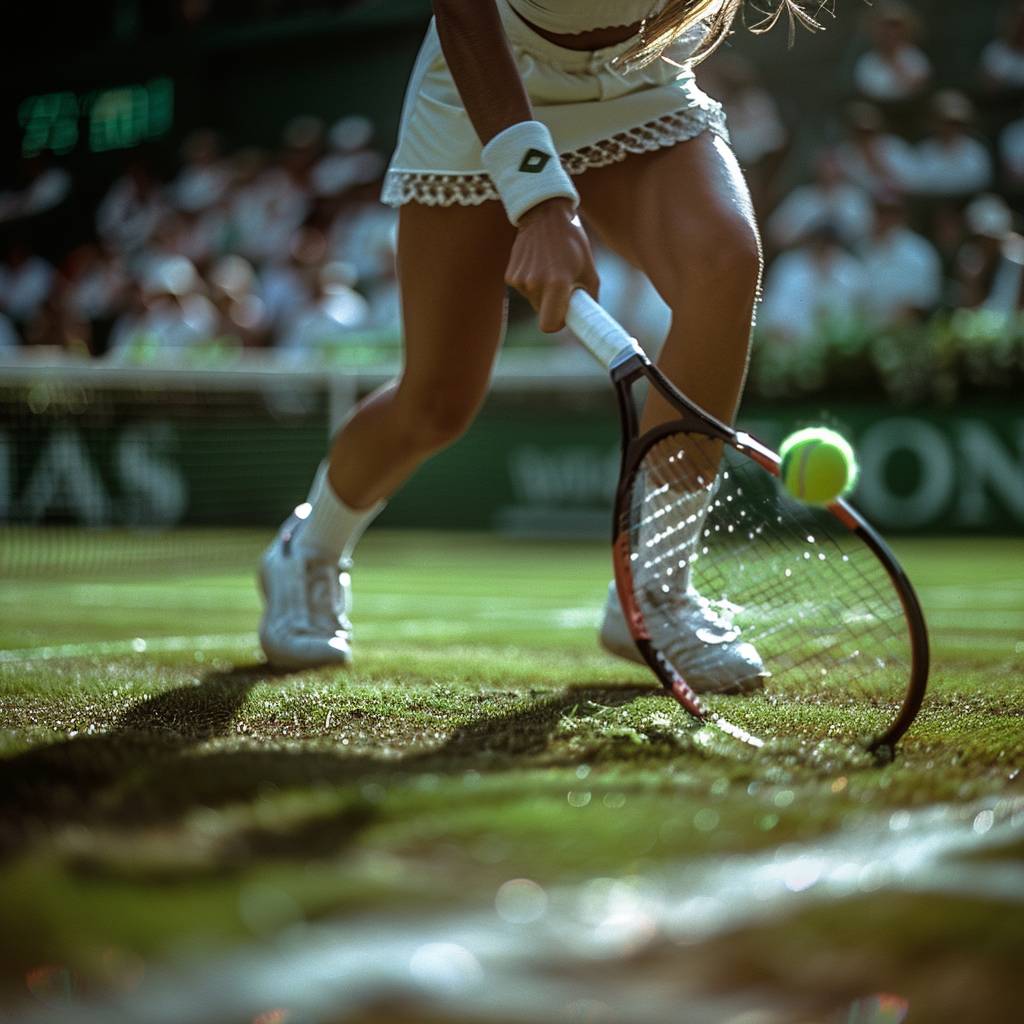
(559, 618)
(135, 645)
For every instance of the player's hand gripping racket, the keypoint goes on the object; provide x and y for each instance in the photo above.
(728, 585)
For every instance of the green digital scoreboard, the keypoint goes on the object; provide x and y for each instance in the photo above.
(99, 120)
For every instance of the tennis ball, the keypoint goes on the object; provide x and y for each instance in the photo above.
(818, 465)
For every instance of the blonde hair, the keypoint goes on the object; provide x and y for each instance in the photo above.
(658, 32)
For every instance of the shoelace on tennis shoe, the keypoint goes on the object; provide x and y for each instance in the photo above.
(325, 603)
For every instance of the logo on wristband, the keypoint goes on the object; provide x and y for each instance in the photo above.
(534, 161)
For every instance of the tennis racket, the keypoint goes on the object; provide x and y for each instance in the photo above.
(727, 583)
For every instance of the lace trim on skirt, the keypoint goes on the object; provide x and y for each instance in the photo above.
(455, 189)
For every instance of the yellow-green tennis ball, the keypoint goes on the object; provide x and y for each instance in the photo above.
(818, 465)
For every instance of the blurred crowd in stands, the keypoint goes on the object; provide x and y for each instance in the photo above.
(911, 207)
(914, 206)
(244, 247)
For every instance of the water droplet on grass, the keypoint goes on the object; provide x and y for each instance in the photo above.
(521, 901)
(706, 820)
(801, 874)
(446, 966)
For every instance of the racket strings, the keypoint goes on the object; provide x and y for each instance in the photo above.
(669, 524)
(737, 561)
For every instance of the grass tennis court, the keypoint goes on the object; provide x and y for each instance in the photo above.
(166, 800)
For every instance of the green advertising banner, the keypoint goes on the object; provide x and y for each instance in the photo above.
(551, 472)
(535, 463)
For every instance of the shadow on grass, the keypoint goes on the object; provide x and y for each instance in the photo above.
(147, 772)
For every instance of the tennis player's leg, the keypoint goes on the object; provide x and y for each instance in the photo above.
(451, 266)
(683, 216)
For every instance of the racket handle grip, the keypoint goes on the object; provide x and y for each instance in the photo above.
(607, 340)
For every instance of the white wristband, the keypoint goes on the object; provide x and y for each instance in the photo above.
(525, 168)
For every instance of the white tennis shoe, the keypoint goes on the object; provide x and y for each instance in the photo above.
(698, 639)
(308, 595)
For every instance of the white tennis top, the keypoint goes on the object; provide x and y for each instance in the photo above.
(568, 17)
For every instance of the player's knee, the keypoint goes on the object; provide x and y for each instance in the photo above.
(730, 258)
(436, 417)
(446, 420)
(717, 257)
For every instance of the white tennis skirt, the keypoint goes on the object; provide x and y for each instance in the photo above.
(597, 113)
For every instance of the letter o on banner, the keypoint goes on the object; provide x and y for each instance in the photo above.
(929, 501)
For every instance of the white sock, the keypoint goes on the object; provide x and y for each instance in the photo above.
(331, 527)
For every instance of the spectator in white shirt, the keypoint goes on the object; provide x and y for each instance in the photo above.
(870, 156)
(243, 314)
(200, 238)
(894, 70)
(1011, 154)
(175, 314)
(246, 202)
(204, 178)
(268, 212)
(830, 198)
(275, 201)
(952, 162)
(131, 210)
(1002, 60)
(25, 282)
(365, 234)
(903, 269)
(816, 287)
(334, 311)
(989, 270)
(46, 187)
(287, 286)
(350, 161)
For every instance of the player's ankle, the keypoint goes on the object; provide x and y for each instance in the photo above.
(331, 527)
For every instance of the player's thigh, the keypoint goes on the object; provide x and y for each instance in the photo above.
(451, 270)
(683, 215)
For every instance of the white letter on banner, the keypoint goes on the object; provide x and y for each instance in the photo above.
(154, 491)
(989, 467)
(64, 480)
(936, 476)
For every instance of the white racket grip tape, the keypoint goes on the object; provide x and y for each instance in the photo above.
(607, 340)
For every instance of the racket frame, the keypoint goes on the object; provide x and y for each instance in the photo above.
(626, 371)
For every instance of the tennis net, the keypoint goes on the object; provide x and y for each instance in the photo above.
(104, 467)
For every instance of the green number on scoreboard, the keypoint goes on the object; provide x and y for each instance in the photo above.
(49, 122)
(117, 118)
